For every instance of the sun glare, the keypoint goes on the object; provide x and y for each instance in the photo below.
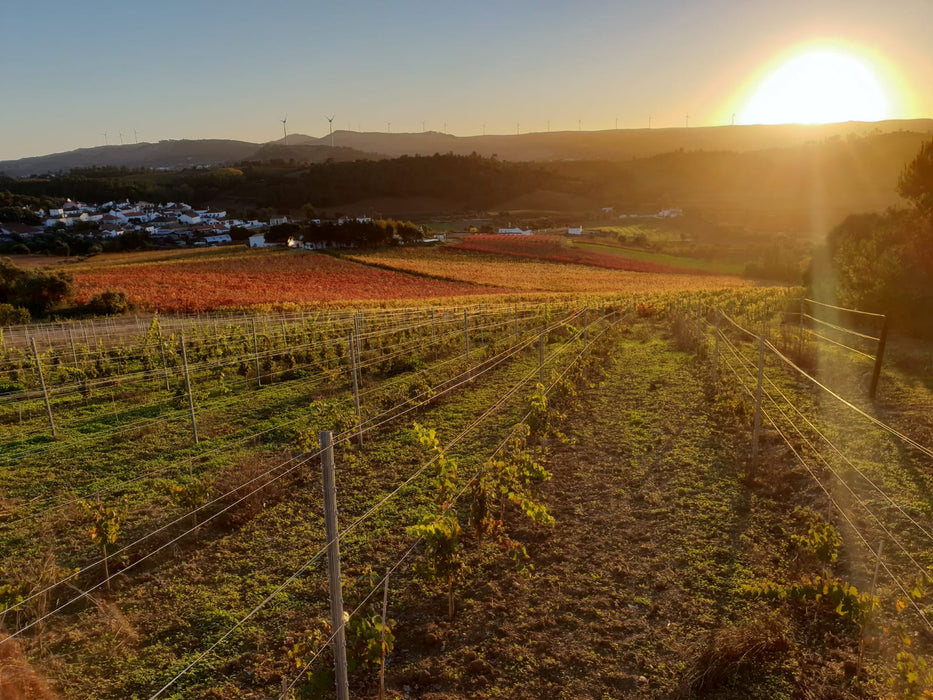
(818, 86)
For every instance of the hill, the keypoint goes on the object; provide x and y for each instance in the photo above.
(612, 145)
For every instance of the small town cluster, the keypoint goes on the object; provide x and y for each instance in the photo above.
(174, 223)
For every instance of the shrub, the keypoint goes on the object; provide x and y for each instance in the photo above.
(12, 315)
(109, 303)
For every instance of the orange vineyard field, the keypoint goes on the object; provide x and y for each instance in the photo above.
(189, 281)
(530, 275)
(555, 248)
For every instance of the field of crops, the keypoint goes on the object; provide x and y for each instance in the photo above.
(238, 278)
(559, 249)
(532, 275)
(551, 498)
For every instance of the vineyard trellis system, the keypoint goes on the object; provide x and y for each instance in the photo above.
(404, 362)
(269, 387)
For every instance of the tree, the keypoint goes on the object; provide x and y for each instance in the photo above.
(916, 181)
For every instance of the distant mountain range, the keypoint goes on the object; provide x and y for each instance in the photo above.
(611, 145)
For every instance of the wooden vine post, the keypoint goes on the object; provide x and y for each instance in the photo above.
(45, 390)
(256, 352)
(333, 564)
(466, 335)
(758, 391)
(879, 358)
(382, 646)
(164, 362)
(184, 360)
(716, 350)
(356, 388)
(541, 357)
(74, 352)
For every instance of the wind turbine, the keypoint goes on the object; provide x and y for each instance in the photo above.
(285, 129)
(136, 136)
(104, 134)
(121, 138)
(330, 127)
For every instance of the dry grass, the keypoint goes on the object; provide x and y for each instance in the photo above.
(18, 680)
(732, 651)
(243, 478)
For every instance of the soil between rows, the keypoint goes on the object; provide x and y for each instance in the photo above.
(635, 590)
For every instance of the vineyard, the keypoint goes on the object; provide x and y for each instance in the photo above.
(670, 495)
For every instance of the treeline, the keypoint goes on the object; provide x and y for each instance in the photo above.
(884, 262)
(379, 232)
(472, 182)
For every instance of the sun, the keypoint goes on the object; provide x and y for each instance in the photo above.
(818, 86)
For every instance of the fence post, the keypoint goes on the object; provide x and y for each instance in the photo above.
(74, 352)
(252, 323)
(284, 335)
(466, 335)
(541, 357)
(164, 362)
(874, 582)
(45, 391)
(356, 388)
(333, 564)
(184, 360)
(761, 372)
(716, 351)
(382, 646)
(800, 330)
(586, 325)
(879, 358)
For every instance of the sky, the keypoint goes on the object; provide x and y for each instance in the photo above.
(71, 72)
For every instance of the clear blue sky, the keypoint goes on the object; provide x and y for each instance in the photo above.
(233, 69)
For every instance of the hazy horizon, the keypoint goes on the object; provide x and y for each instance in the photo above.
(175, 71)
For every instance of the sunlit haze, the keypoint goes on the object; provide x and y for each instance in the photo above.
(116, 73)
(818, 87)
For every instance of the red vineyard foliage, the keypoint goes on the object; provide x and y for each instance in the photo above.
(259, 279)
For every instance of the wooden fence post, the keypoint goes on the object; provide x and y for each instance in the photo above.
(382, 662)
(541, 357)
(874, 582)
(800, 330)
(716, 351)
(45, 391)
(252, 322)
(879, 358)
(333, 564)
(184, 360)
(758, 391)
(164, 362)
(74, 352)
(466, 335)
(356, 388)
